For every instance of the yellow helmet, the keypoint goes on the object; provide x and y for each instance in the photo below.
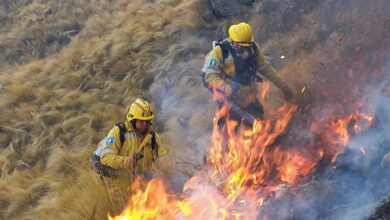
(241, 33)
(141, 110)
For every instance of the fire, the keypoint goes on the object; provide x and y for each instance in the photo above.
(265, 86)
(295, 166)
(152, 203)
(335, 134)
(247, 168)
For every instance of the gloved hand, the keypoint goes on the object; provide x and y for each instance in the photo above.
(138, 156)
(231, 88)
(227, 90)
(131, 162)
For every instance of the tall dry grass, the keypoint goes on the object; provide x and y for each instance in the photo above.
(60, 92)
(57, 106)
(70, 69)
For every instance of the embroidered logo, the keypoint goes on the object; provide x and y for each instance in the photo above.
(213, 62)
(109, 141)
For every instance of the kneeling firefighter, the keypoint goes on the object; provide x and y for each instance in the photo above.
(131, 146)
(234, 67)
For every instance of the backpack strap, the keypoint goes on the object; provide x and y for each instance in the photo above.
(122, 131)
(154, 143)
(225, 47)
(255, 49)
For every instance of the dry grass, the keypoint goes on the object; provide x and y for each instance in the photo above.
(60, 93)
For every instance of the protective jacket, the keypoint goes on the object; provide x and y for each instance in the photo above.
(224, 66)
(114, 154)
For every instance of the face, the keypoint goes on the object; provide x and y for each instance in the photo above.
(142, 126)
(237, 47)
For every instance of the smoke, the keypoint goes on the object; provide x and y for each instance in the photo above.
(349, 72)
(338, 52)
(185, 109)
(371, 170)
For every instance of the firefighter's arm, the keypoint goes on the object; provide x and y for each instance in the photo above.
(212, 71)
(271, 74)
(109, 155)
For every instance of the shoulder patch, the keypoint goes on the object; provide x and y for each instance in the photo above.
(213, 62)
(110, 140)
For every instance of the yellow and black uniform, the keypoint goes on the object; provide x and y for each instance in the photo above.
(234, 73)
(114, 155)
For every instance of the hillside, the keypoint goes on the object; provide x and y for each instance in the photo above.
(70, 69)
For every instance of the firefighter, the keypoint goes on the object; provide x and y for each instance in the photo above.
(234, 67)
(130, 146)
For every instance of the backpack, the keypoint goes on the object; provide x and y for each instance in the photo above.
(241, 65)
(226, 48)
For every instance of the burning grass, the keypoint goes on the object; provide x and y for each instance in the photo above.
(82, 64)
(247, 168)
(87, 60)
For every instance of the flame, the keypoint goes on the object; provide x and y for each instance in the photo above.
(243, 162)
(151, 203)
(295, 166)
(265, 86)
(337, 132)
(246, 168)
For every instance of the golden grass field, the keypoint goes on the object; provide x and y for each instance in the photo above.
(58, 99)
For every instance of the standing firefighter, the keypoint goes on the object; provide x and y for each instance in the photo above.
(232, 70)
(130, 146)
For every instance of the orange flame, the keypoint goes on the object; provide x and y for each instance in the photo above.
(152, 203)
(265, 86)
(246, 169)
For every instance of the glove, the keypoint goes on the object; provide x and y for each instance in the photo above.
(227, 90)
(138, 156)
(131, 162)
(230, 89)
